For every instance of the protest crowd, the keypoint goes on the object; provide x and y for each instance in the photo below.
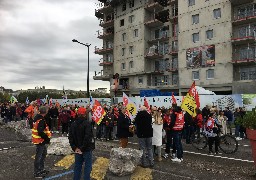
(154, 126)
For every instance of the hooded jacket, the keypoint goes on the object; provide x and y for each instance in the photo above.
(81, 135)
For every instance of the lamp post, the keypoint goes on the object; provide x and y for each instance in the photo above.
(88, 46)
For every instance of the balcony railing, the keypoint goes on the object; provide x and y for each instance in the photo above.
(102, 76)
(153, 6)
(238, 2)
(106, 35)
(244, 34)
(244, 14)
(244, 55)
(163, 36)
(153, 22)
(106, 8)
(104, 50)
(174, 49)
(172, 2)
(106, 63)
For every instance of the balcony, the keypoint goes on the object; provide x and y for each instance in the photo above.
(107, 8)
(108, 23)
(153, 23)
(153, 53)
(173, 66)
(243, 35)
(245, 55)
(106, 35)
(106, 63)
(239, 2)
(174, 50)
(244, 14)
(161, 38)
(153, 6)
(103, 50)
(102, 76)
(99, 14)
(172, 2)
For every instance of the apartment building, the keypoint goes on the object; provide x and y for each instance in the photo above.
(168, 44)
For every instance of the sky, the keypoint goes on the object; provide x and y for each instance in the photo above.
(36, 47)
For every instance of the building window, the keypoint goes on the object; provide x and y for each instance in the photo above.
(123, 36)
(248, 73)
(123, 66)
(131, 49)
(195, 19)
(124, 7)
(195, 37)
(209, 34)
(136, 33)
(166, 80)
(131, 19)
(131, 64)
(195, 75)
(123, 51)
(210, 74)
(140, 80)
(217, 13)
(131, 3)
(121, 22)
(191, 2)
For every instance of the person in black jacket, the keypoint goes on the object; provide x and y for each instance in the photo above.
(82, 142)
(40, 137)
(189, 126)
(143, 123)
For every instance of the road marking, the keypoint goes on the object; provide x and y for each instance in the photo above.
(59, 175)
(142, 173)
(99, 168)
(66, 162)
(222, 157)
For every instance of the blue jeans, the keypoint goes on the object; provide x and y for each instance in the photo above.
(85, 158)
(41, 152)
(177, 143)
(147, 156)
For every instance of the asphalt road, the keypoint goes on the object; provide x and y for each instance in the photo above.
(17, 164)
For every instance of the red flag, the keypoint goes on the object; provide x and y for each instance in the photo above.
(173, 99)
(197, 100)
(98, 113)
(192, 90)
(146, 105)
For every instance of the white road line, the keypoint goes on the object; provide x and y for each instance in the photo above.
(222, 157)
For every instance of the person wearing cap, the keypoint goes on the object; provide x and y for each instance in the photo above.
(40, 137)
(82, 143)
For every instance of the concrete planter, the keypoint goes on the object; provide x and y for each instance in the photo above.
(251, 134)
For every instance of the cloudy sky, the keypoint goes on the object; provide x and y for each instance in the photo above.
(36, 45)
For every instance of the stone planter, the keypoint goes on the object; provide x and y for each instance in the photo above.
(251, 134)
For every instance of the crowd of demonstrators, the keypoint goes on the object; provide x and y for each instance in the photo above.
(12, 112)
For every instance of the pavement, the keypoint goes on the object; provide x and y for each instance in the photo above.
(17, 162)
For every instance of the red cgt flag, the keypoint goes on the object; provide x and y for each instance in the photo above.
(173, 99)
(98, 113)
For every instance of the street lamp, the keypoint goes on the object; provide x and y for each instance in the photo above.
(88, 46)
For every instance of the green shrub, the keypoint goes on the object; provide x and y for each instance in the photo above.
(248, 120)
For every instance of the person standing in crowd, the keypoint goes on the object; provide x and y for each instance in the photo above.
(116, 114)
(157, 140)
(205, 113)
(228, 113)
(64, 117)
(168, 132)
(237, 115)
(40, 137)
(222, 120)
(198, 122)
(212, 132)
(177, 125)
(123, 124)
(54, 113)
(30, 111)
(189, 127)
(143, 123)
(18, 113)
(82, 143)
(109, 121)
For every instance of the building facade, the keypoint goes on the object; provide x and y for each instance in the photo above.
(168, 44)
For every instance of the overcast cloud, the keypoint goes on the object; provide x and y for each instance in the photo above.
(36, 47)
